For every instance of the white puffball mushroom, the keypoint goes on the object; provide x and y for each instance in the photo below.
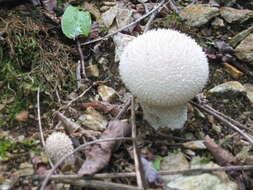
(58, 145)
(164, 68)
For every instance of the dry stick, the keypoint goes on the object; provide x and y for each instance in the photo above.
(133, 174)
(39, 118)
(44, 183)
(101, 185)
(123, 110)
(229, 118)
(224, 121)
(127, 26)
(77, 98)
(81, 58)
(78, 74)
(40, 125)
(141, 181)
(152, 17)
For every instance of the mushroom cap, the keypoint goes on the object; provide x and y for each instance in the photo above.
(58, 145)
(164, 67)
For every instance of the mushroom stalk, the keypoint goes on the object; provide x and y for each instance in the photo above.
(172, 117)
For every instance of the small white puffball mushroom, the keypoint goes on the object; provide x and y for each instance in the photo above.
(58, 145)
(164, 68)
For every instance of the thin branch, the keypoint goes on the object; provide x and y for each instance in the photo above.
(40, 125)
(81, 59)
(152, 17)
(77, 98)
(101, 185)
(141, 181)
(44, 183)
(39, 118)
(133, 174)
(78, 74)
(229, 119)
(127, 26)
(224, 121)
(123, 110)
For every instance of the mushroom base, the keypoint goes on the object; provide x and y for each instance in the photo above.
(165, 117)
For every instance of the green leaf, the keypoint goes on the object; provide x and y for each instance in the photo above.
(157, 163)
(75, 22)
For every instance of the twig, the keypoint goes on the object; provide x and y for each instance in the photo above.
(81, 59)
(101, 185)
(173, 6)
(123, 110)
(78, 74)
(133, 174)
(44, 183)
(141, 181)
(127, 26)
(224, 121)
(39, 118)
(152, 17)
(229, 119)
(40, 125)
(77, 98)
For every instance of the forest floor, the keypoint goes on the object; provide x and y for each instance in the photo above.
(38, 66)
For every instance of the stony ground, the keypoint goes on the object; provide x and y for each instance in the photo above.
(34, 54)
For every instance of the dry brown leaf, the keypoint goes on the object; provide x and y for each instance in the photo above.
(98, 156)
(222, 156)
(103, 106)
(94, 11)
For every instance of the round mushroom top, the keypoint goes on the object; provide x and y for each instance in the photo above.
(58, 145)
(164, 67)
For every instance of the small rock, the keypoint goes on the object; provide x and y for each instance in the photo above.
(241, 36)
(199, 14)
(120, 40)
(124, 17)
(174, 162)
(218, 23)
(249, 91)
(235, 15)
(26, 169)
(244, 51)
(195, 145)
(215, 181)
(93, 120)
(22, 116)
(228, 86)
(234, 72)
(109, 16)
(107, 93)
(5, 186)
(92, 70)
